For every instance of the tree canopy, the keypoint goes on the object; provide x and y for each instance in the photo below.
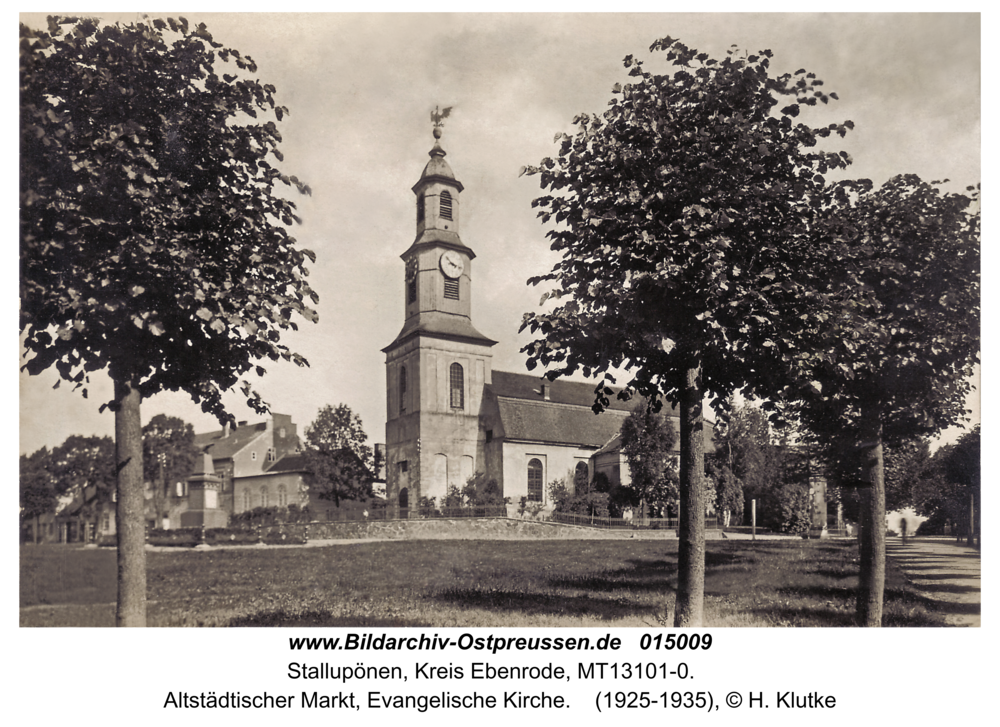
(154, 237)
(682, 215)
(340, 462)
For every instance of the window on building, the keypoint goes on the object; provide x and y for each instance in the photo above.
(263, 496)
(457, 377)
(282, 496)
(246, 500)
(404, 466)
(105, 521)
(451, 289)
(402, 389)
(581, 478)
(411, 291)
(253, 456)
(445, 205)
(420, 209)
(270, 454)
(535, 480)
(489, 436)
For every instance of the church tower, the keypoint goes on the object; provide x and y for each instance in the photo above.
(438, 364)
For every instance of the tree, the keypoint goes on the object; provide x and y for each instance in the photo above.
(37, 486)
(682, 217)
(168, 456)
(744, 446)
(728, 492)
(153, 240)
(82, 462)
(337, 456)
(949, 486)
(648, 445)
(893, 355)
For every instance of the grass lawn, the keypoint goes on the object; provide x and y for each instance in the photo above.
(442, 583)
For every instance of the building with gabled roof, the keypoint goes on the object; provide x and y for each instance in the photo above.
(258, 463)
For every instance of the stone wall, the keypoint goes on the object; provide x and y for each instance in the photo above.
(470, 529)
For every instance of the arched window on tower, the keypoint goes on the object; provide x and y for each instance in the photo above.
(445, 204)
(457, 377)
(420, 209)
(535, 480)
(402, 389)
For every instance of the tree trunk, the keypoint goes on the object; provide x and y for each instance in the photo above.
(689, 610)
(129, 520)
(970, 540)
(871, 578)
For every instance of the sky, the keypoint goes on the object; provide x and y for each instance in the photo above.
(360, 89)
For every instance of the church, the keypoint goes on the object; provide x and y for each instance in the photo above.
(449, 414)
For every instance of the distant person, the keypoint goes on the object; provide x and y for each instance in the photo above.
(902, 528)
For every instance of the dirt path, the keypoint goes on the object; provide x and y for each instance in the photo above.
(944, 571)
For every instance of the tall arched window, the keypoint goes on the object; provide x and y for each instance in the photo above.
(282, 496)
(535, 480)
(263, 495)
(581, 478)
(445, 204)
(420, 209)
(246, 500)
(457, 378)
(402, 389)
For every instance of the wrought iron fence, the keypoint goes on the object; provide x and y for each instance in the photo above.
(375, 514)
(636, 523)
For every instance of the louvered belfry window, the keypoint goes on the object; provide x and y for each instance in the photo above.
(451, 289)
(445, 205)
(457, 376)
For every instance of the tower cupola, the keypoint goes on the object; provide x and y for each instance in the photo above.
(437, 193)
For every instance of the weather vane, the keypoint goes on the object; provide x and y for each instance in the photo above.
(438, 117)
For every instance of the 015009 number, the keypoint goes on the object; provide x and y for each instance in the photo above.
(675, 641)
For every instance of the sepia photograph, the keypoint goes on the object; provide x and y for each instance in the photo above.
(561, 321)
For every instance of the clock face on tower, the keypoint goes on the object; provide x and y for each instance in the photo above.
(451, 264)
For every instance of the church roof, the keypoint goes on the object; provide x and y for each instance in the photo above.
(566, 416)
(543, 421)
(561, 391)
